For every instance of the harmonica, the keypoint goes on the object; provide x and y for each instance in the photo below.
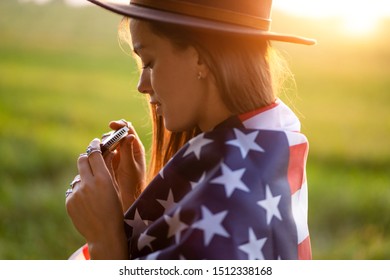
(111, 140)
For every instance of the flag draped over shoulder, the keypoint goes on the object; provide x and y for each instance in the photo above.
(236, 192)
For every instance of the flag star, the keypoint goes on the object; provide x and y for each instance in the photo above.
(211, 225)
(175, 225)
(194, 184)
(138, 225)
(254, 246)
(245, 142)
(270, 204)
(168, 203)
(161, 173)
(145, 241)
(196, 144)
(153, 256)
(231, 180)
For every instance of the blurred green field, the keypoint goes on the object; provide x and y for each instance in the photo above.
(63, 77)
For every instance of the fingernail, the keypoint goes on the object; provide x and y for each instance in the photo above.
(128, 124)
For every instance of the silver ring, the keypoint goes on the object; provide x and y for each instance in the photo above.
(90, 150)
(75, 181)
(68, 192)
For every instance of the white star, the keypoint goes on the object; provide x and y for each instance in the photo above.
(194, 184)
(168, 203)
(153, 256)
(137, 223)
(175, 225)
(270, 204)
(254, 246)
(211, 225)
(196, 144)
(245, 142)
(144, 241)
(162, 173)
(231, 180)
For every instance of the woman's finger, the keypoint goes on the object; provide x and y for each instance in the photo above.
(115, 125)
(84, 168)
(96, 160)
(126, 146)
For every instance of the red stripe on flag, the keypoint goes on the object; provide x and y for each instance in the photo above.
(304, 249)
(86, 252)
(246, 116)
(296, 166)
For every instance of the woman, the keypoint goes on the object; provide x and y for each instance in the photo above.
(227, 174)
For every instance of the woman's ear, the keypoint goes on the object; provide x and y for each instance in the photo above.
(202, 68)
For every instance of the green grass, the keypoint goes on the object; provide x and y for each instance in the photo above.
(63, 77)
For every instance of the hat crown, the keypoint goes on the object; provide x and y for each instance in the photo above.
(244, 17)
(249, 13)
(255, 8)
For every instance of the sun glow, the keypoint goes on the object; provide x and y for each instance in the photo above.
(357, 25)
(358, 17)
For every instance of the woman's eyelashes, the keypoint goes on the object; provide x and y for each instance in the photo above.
(148, 65)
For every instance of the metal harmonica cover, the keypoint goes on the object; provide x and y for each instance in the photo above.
(110, 142)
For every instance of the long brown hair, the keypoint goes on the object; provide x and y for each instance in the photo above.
(240, 65)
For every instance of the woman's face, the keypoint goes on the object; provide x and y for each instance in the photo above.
(172, 79)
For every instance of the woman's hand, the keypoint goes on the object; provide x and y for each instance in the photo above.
(127, 165)
(95, 208)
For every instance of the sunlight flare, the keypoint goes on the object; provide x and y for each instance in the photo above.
(357, 17)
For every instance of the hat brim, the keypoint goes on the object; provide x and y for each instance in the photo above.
(139, 12)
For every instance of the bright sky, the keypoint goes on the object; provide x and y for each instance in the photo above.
(359, 16)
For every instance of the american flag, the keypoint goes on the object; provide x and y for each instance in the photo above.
(236, 192)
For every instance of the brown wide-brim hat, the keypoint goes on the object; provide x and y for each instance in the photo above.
(245, 17)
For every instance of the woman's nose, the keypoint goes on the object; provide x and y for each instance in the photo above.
(144, 84)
